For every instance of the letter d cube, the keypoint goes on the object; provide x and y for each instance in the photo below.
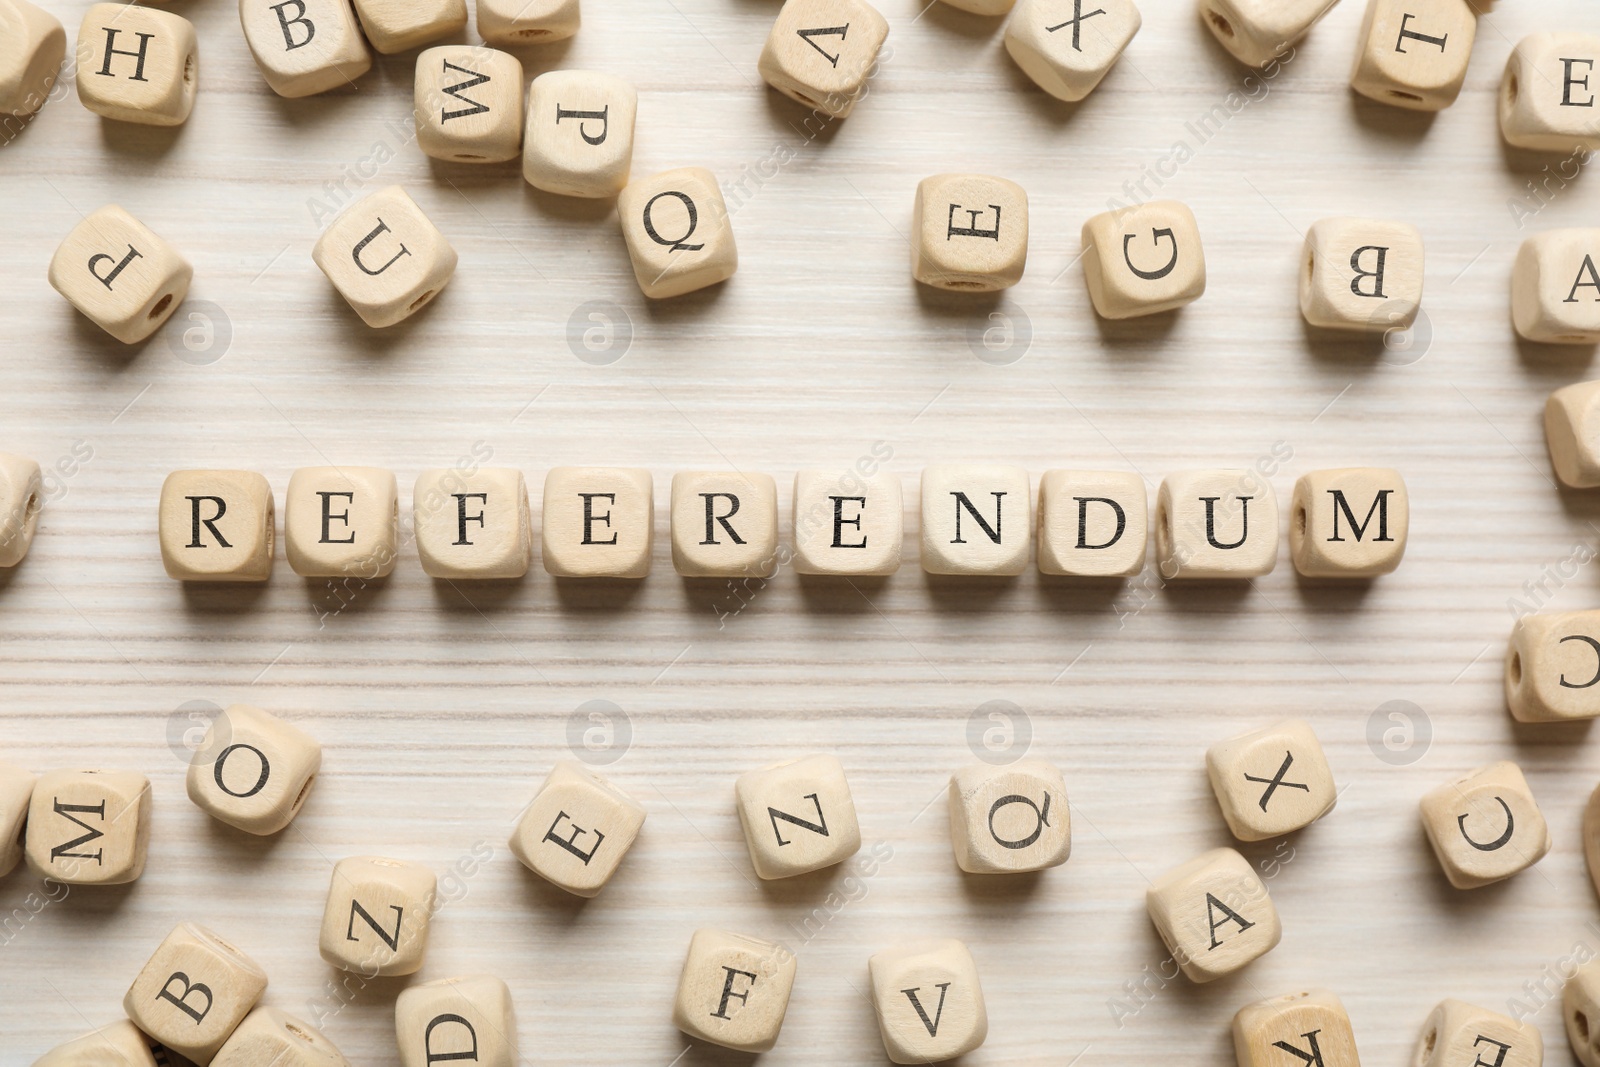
(457, 1019)
(194, 992)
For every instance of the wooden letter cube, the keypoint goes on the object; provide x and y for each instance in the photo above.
(734, 990)
(385, 257)
(1271, 781)
(522, 22)
(577, 830)
(89, 827)
(1361, 274)
(1066, 50)
(1216, 524)
(21, 489)
(1572, 433)
(1553, 667)
(399, 25)
(678, 234)
(342, 522)
(119, 274)
(724, 524)
(253, 771)
(457, 1019)
(1485, 826)
(16, 792)
(1214, 914)
(217, 526)
(1460, 1035)
(468, 104)
(118, 1045)
(579, 138)
(194, 992)
(1591, 841)
(376, 921)
(1580, 1010)
(1555, 287)
(1413, 53)
(1005, 820)
(797, 816)
(31, 50)
(847, 523)
(1282, 1031)
(975, 519)
(969, 233)
(472, 525)
(137, 64)
(598, 522)
(1143, 260)
(1259, 31)
(1349, 523)
(304, 47)
(1092, 524)
(821, 52)
(272, 1038)
(1547, 95)
(928, 1000)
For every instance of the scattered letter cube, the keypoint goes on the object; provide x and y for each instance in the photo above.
(119, 274)
(821, 52)
(398, 25)
(1092, 524)
(1555, 287)
(1271, 781)
(598, 522)
(194, 992)
(137, 64)
(928, 1001)
(579, 137)
(457, 1019)
(89, 827)
(21, 489)
(1553, 667)
(1413, 53)
(724, 524)
(118, 1045)
(30, 56)
(1580, 1007)
(376, 921)
(1143, 260)
(975, 519)
(1065, 49)
(1349, 523)
(217, 526)
(677, 231)
(341, 522)
(734, 990)
(1214, 914)
(304, 47)
(1547, 95)
(468, 104)
(797, 816)
(1459, 1033)
(520, 22)
(473, 525)
(577, 830)
(385, 257)
(1284, 1031)
(1485, 826)
(1005, 820)
(277, 1039)
(16, 792)
(1361, 274)
(1591, 839)
(1216, 524)
(845, 523)
(253, 771)
(1258, 31)
(969, 233)
(1572, 433)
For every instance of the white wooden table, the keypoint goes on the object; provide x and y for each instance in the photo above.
(440, 707)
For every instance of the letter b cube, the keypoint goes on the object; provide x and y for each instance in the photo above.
(1361, 274)
(376, 921)
(194, 992)
(304, 47)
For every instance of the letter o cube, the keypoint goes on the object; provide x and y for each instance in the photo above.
(1006, 820)
(1461, 1033)
(1143, 260)
(385, 257)
(194, 992)
(1555, 287)
(376, 921)
(928, 1000)
(88, 827)
(1547, 94)
(458, 1019)
(577, 830)
(253, 771)
(119, 274)
(277, 1039)
(734, 990)
(31, 52)
(677, 230)
(118, 1045)
(21, 491)
(1485, 826)
(1214, 914)
(969, 233)
(1361, 274)
(305, 47)
(137, 64)
(217, 526)
(798, 816)
(1279, 1031)
(1553, 667)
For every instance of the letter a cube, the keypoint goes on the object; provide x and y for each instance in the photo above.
(734, 990)
(194, 992)
(1214, 914)
(1555, 287)
(376, 921)
(385, 257)
(577, 830)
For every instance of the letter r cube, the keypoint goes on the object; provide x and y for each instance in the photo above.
(194, 992)
(577, 830)
(217, 526)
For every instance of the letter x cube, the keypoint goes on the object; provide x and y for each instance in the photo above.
(1271, 781)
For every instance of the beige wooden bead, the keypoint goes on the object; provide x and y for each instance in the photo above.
(975, 519)
(982, 7)
(1256, 32)
(341, 522)
(1271, 781)
(678, 233)
(577, 830)
(253, 771)
(1361, 274)
(928, 1000)
(1580, 1011)
(1485, 826)
(1066, 49)
(1142, 260)
(1572, 433)
(21, 495)
(217, 526)
(457, 1019)
(1555, 287)
(1349, 523)
(1283, 1031)
(399, 25)
(1216, 524)
(734, 990)
(523, 22)
(385, 257)
(305, 47)
(117, 272)
(472, 525)
(269, 1037)
(1214, 914)
(724, 524)
(468, 104)
(820, 53)
(1006, 820)
(1463, 1035)
(1092, 524)
(579, 137)
(195, 991)
(89, 827)
(1413, 53)
(16, 791)
(598, 522)
(969, 233)
(137, 64)
(1547, 94)
(798, 816)
(31, 51)
(1553, 667)
(847, 523)
(118, 1045)
(376, 919)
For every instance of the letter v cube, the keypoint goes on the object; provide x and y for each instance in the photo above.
(577, 830)
(194, 992)
(797, 816)
(928, 1000)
